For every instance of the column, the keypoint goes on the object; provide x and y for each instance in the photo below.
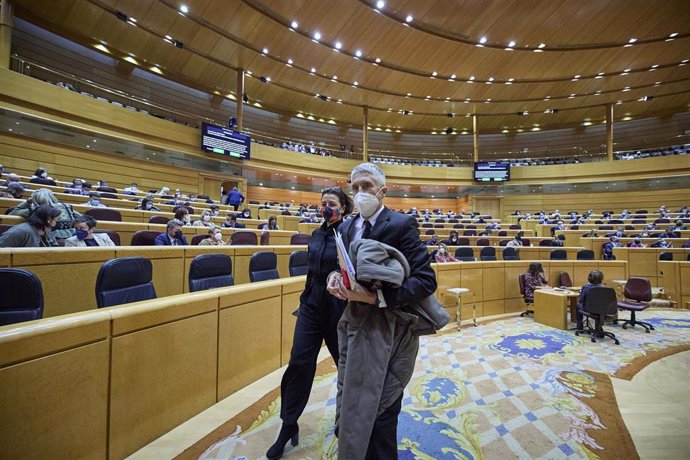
(240, 98)
(365, 134)
(475, 136)
(609, 132)
(6, 25)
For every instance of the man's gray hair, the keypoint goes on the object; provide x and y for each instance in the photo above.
(173, 222)
(372, 169)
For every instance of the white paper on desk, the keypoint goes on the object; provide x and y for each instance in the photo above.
(347, 269)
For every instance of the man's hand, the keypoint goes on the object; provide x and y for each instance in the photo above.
(357, 294)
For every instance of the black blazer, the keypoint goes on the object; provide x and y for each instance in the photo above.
(400, 231)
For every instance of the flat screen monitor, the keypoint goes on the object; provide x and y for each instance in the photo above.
(491, 171)
(225, 141)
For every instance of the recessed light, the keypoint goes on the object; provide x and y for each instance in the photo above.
(290, 61)
(338, 45)
(433, 74)
(482, 40)
(317, 35)
(472, 78)
(264, 51)
(133, 20)
(358, 53)
(355, 84)
(294, 24)
(655, 66)
(632, 40)
(408, 19)
(312, 70)
(452, 77)
(511, 44)
(491, 78)
(380, 4)
(184, 9)
(335, 77)
(674, 34)
(541, 45)
(377, 60)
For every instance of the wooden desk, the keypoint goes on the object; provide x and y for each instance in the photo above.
(551, 307)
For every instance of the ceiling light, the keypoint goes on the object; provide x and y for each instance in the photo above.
(355, 84)
(335, 77)
(627, 88)
(133, 20)
(452, 77)
(312, 70)
(619, 102)
(409, 94)
(571, 96)
(511, 44)
(674, 34)
(542, 45)
(655, 66)
(358, 53)
(184, 9)
(523, 113)
(102, 48)
(290, 61)
(482, 40)
(317, 35)
(294, 24)
(536, 128)
(433, 74)
(600, 75)
(657, 83)
(264, 51)
(377, 60)
(472, 78)
(380, 4)
(491, 78)
(408, 19)
(632, 40)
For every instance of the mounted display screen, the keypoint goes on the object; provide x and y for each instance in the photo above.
(491, 171)
(225, 141)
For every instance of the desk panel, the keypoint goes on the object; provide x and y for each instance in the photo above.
(550, 308)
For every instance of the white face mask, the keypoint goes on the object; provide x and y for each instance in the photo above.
(218, 236)
(366, 203)
(207, 218)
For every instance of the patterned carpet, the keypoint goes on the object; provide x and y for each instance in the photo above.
(506, 389)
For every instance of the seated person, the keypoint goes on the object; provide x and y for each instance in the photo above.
(147, 205)
(95, 200)
(577, 221)
(182, 214)
(595, 278)
(607, 248)
(433, 241)
(485, 232)
(231, 221)
(41, 177)
(686, 245)
(214, 210)
(172, 236)
(651, 227)
(679, 225)
(559, 241)
(625, 214)
(13, 191)
(534, 278)
(620, 233)
(163, 191)
(661, 243)
(84, 226)
(494, 225)
(35, 232)
(176, 201)
(75, 187)
(191, 198)
(517, 241)
(637, 243)
(131, 190)
(559, 226)
(86, 188)
(12, 179)
(272, 224)
(215, 239)
(204, 219)
(246, 214)
(453, 238)
(64, 227)
(442, 255)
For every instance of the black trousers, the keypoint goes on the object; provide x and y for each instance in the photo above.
(314, 325)
(383, 444)
(235, 206)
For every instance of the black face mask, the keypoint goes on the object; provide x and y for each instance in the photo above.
(178, 234)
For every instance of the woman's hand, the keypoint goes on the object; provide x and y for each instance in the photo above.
(357, 294)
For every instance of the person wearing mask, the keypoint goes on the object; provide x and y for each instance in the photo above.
(620, 233)
(661, 243)
(86, 188)
(559, 241)
(131, 190)
(679, 225)
(214, 210)
(246, 214)
(235, 198)
(637, 243)
(516, 242)
(36, 232)
(204, 219)
(64, 227)
(433, 241)
(13, 191)
(163, 191)
(95, 200)
(559, 226)
(625, 214)
(231, 221)
(317, 319)
(85, 236)
(368, 404)
(494, 225)
(215, 238)
(182, 214)
(192, 198)
(534, 278)
(607, 248)
(147, 205)
(75, 187)
(442, 255)
(172, 236)
(595, 278)
(453, 239)
(272, 224)
(41, 177)
(176, 201)
(224, 197)
(12, 179)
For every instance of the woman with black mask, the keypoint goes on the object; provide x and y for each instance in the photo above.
(317, 320)
(36, 232)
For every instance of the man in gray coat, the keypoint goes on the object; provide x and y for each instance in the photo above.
(372, 434)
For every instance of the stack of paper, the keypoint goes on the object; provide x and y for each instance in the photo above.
(347, 269)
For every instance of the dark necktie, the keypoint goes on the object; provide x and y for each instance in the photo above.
(367, 229)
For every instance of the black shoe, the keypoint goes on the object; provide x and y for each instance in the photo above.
(287, 433)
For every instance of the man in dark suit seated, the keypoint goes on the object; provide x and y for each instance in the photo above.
(172, 236)
(231, 221)
(356, 422)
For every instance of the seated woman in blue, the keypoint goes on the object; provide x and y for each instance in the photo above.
(595, 278)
